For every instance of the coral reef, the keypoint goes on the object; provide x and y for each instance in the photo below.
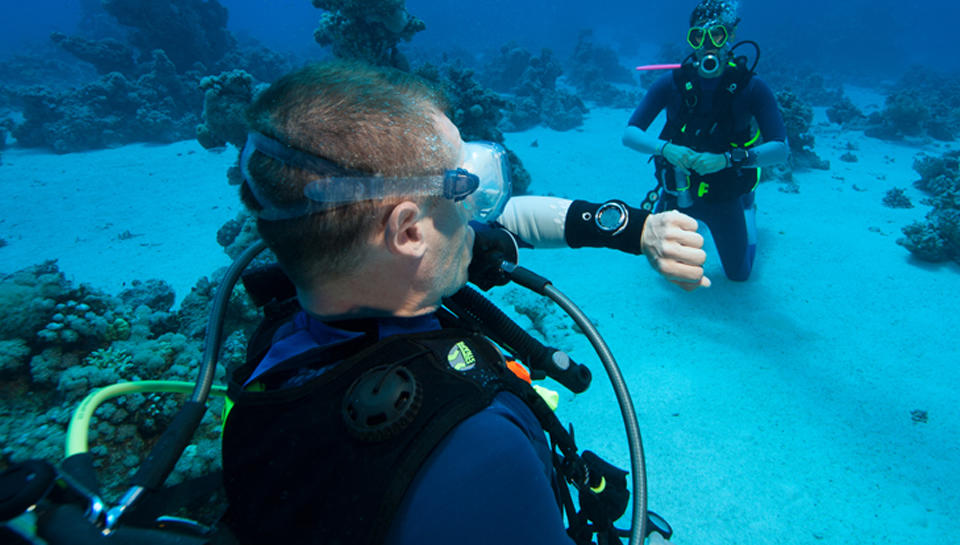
(937, 239)
(158, 106)
(535, 98)
(845, 112)
(60, 341)
(476, 110)
(367, 30)
(797, 116)
(780, 70)
(904, 115)
(225, 99)
(596, 73)
(106, 55)
(147, 90)
(188, 31)
(895, 198)
(922, 103)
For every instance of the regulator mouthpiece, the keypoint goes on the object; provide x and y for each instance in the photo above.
(709, 65)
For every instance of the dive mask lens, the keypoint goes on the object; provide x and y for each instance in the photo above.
(718, 35)
(487, 161)
(696, 36)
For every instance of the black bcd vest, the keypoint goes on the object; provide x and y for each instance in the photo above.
(308, 464)
(711, 131)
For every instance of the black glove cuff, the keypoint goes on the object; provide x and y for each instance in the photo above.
(581, 228)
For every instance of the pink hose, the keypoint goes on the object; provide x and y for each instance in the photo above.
(658, 67)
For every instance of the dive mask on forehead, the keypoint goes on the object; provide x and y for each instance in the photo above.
(481, 181)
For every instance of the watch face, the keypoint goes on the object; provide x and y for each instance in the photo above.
(738, 155)
(610, 216)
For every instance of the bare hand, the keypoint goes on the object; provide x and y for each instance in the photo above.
(708, 163)
(675, 249)
(679, 156)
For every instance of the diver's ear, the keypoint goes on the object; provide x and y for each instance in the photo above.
(404, 230)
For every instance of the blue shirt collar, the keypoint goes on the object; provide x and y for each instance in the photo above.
(306, 332)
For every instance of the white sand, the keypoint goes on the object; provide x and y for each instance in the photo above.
(76, 208)
(777, 410)
(774, 411)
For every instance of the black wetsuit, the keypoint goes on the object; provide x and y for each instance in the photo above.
(731, 220)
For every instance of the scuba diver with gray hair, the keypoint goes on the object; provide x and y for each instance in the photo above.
(723, 124)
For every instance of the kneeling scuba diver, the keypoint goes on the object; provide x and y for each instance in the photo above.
(65, 505)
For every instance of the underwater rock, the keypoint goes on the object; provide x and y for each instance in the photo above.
(779, 70)
(938, 239)
(924, 242)
(41, 379)
(797, 116)
(476, 111)
(263, 63)
(895, 198)
(225, 101)
(367, 30)
(845, 112)
(106, 55)
(156, 294)
(14, 356)
(904, 115)
(28, 297)
(849, 158)
(188, 31)
(535, 98)
(595, 71)
(194, 311)
(159, 106)
(228, 231)
(503, 72)
(922, 103)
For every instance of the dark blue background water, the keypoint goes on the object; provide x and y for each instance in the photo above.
(861, 37)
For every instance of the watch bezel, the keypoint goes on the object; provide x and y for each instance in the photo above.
(621, 223)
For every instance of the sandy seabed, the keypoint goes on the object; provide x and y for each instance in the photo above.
(773, 411)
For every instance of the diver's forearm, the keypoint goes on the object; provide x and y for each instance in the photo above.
(537, 220)
(769, 153)
(642, 141)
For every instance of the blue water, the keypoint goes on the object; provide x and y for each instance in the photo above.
(881, 37)
(775, 411)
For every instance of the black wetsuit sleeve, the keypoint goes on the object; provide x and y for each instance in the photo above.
(763, 106)
(653, 102)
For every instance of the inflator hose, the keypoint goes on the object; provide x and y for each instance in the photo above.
(164, 455)
(539, 284)
(536, 355)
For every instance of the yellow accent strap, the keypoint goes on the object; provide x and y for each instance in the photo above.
(551, 397)
(600, 487)
(748, 143)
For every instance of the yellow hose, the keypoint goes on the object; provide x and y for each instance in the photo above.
(79, 430)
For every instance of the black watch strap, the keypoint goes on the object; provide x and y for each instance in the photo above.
(582, 229)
